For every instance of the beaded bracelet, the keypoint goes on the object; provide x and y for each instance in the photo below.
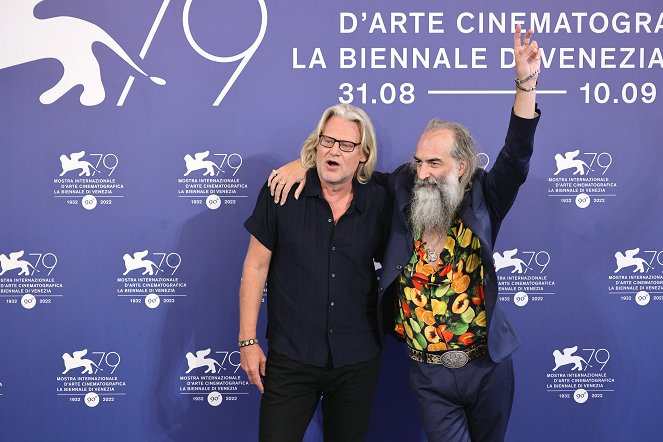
(533, 88)
(248, 342)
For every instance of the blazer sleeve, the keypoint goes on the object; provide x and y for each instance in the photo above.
(511, 167)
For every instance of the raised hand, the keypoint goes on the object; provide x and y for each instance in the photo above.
(527, 57)
(528, 67)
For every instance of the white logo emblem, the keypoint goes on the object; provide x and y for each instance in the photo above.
(73, 162)
(628, 259)
(136, 261)
(583, 200)
(77, 361)
(642, 298)
(13, 262)
(507, 260)
(200, 360)
(91, 399)
(567, 357)
(214, 399)
(67, 39)
(244, 56)
(198, 162)
(569, 161)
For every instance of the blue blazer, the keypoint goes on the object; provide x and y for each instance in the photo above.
(483, 208)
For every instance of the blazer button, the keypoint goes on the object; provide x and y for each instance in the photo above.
(399, 267)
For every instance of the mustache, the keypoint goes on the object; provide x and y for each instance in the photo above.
(431, 181)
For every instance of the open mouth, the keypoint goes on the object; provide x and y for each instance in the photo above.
(332, 163)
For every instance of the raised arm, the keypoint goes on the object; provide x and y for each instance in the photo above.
(528, 67)
(254, 275)
(511, 166)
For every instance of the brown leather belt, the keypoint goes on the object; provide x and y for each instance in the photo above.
(450, 358)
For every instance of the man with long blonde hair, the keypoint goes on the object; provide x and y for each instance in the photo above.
(317, 254)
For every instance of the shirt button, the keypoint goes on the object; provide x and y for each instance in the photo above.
(380, 290)
(398, 267)
(329, 220)
(331, 330)
(333, 247)
(333, 275)
(332, 303)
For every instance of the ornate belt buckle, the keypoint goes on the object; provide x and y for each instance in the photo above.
(454, 359)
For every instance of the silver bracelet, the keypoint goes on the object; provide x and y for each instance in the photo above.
(533, 88)
(529, 77)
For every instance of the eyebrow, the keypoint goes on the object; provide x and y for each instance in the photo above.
(341, 141)
(430, 160)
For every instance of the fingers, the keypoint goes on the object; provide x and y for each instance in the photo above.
(283, 194)
(263, 366)
(253, 362)
(259, 373)
(300, 188)
(271, 182)
(258, 383)
(534, 55)
(254, 378)
(279, 190)
(263, 370)
(272, 176)
(278, 186)
(528, 36)
(534, 50)
(517, 43)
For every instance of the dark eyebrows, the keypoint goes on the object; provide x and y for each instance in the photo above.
(430, 160)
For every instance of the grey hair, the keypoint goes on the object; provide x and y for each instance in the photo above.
(367, 144)
(465, 147)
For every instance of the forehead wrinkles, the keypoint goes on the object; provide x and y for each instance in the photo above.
(435, 143)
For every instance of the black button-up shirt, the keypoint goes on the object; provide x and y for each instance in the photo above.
(322, 288)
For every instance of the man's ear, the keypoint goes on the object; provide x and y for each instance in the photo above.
(462, 165)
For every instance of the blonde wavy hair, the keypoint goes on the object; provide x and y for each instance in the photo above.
(367, 143)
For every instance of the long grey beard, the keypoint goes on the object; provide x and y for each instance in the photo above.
(434, 208)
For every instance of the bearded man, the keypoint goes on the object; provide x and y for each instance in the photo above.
(439, 270)
(438, 276)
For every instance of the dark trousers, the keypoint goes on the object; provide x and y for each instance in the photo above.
(467, 404)
(292, 392)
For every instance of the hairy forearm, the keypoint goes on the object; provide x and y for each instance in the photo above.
(250, 298)
(254, 275)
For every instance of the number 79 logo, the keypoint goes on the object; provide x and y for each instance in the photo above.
(243, 57)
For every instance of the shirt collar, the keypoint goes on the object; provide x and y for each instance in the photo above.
(314, 189)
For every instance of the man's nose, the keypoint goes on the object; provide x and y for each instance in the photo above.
(423, 171)
(336, 148)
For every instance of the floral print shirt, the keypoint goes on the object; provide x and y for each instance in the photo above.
(441, 304)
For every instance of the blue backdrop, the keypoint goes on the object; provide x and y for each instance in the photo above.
(123, 200)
